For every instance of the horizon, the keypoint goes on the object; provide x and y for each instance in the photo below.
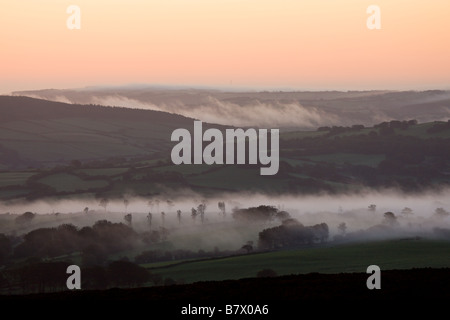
(305, 46)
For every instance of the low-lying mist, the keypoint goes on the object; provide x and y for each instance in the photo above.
(363, 215)
(299, 110)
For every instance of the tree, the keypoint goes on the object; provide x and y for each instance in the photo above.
(194, 214)
(128, 274)
(126, 202)
(163, 218)
(407, 211)
(441, 213)
(128, 218)
(179, 216)
(390, 219)
(5, 248)
(104, 203)
(342, 228)
(149, 219)
(248, 246)
(86, 210)
(201, 210)
(221, 206)
(266, 273)
(25, 218)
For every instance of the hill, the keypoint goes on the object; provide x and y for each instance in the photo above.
(38, 133)
(50, 149)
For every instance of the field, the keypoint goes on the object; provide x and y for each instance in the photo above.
(345, 258)
(14, 178)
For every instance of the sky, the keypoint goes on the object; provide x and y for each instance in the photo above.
(295, 44)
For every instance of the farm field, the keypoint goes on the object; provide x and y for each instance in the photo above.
(344, 258)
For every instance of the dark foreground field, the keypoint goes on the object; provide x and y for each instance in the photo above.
(405, 291)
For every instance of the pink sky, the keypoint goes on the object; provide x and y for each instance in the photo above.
(308, 44)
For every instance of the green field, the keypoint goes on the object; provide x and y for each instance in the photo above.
(370, 160)
(103, 171)
(14, 178)
(235, 178)
(393, 254)
(64, 182)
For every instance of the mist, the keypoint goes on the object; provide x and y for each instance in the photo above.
(224, 232)
(299, 110)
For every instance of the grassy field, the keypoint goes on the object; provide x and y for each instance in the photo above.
(14, 178)
(369, 160)
(393, 254)
(63, 182)
(235, 178)
(103, 171)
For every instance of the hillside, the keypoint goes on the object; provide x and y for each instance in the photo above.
(55, 149)
(297, 110)
(40, 133)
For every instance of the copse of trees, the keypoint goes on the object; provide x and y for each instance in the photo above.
(292, 233)
(103, 238)
(260, 213)
(5, 248)
(36, 275)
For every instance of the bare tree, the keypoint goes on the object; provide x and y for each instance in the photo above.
(104, 203)
(128, 218)
(221, 206)
(248, 246)
(407, 211)
(126, 202)
(441, 213)
(390, 219)
(342, 228)
(194, 214)
(201, 210)
(149, 219)
(179, 216)
(163, 218)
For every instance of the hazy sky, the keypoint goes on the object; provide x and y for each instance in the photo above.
(301, 44)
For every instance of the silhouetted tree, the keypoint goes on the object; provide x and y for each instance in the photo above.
(25, 218)
(407, 211)
(194, 214)
(179, 216)
(128, 274)
(441, 213)
(221, 206)
(149, 219)
(104, 203)
(248, 246)
(390, 219)
(201, 211)
(266, 273)
(128, 219)
(342, 228)
(163, 218)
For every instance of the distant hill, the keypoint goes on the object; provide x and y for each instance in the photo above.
(295, 110)
(38, 132)
(58, 149)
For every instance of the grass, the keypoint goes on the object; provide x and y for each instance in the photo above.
(235, 178)
(392, 254)
(18, 178)
(103, 171)
(352, 158)
(64, 182)
(185, 169)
